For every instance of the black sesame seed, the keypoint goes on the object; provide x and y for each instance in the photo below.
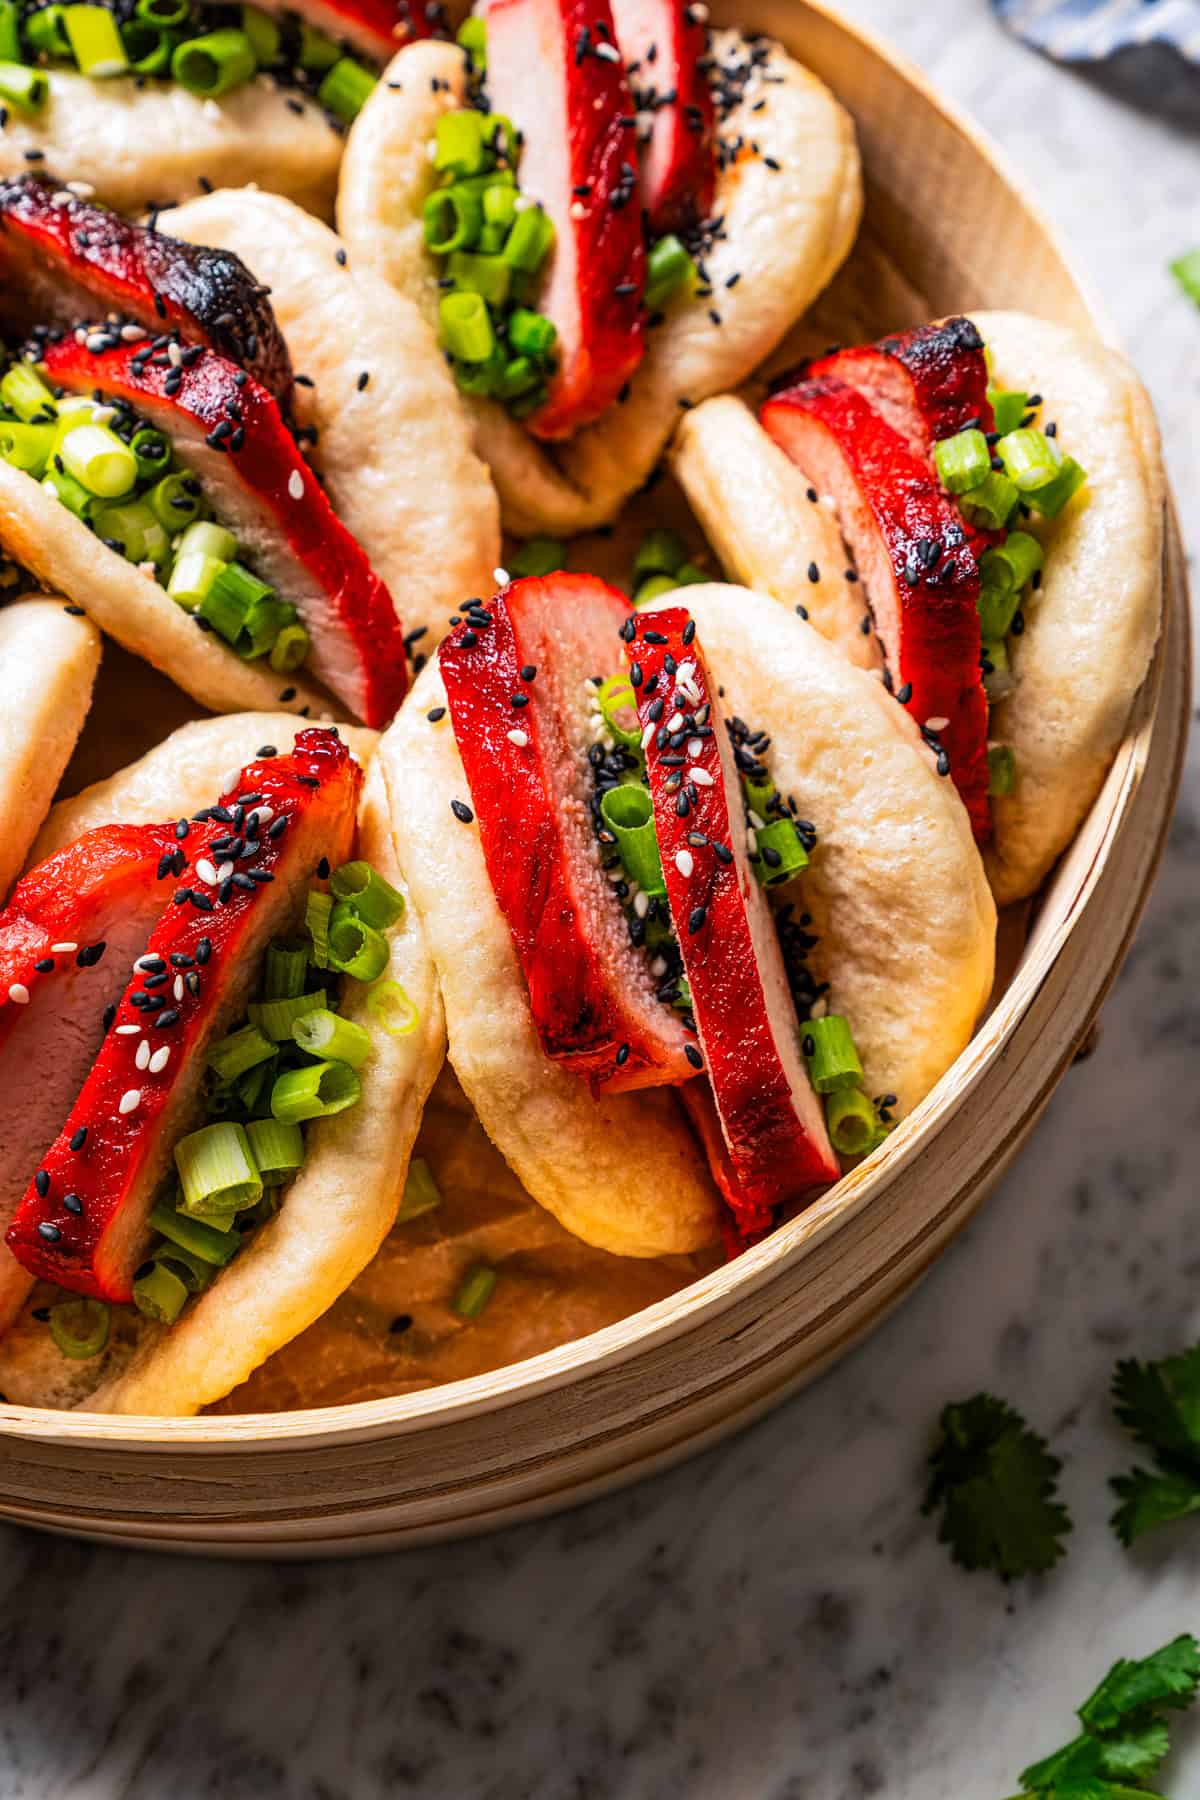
(203, 950)
(110, 1013)
(79, 1139)
(166, 1019)
(904, 694)
(622, 1056)
(814, 573)
(527, 674)
(41, 1182)
(689, 631)
(73, 1204)
(438, 712)
(51, 1233)
(520, 699)
(693, 1055)
(90, 955)
(722, 852)
(696, 920)
(635, 675)
(462, 811)
(278, 826)
(44, 965)
(400, 1323)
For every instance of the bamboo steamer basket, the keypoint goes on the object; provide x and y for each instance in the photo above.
(946, 229)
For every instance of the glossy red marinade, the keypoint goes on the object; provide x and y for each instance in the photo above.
(538, 844)
(63, 259)
(555, 70)
(913, 552)
(773, 1126)
(115, 1172)
(665, 46)
(209, 394)
(928, 384)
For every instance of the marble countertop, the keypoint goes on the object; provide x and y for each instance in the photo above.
(774, 1621)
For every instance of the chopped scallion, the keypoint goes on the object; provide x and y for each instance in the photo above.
(830, 1053)
(346, 89)
(324, 1034)
(316, 1091)
(388, 1003)
(372, 898)
(355, 948)
(780, 853)
(530, 240)
(211, 65)
(95, 41)
(285, 970)
(421, 1192)
(474, 1291)
(216, 1170)
(276, 1018)
(963, 461)
(851, 1121)
(277, 1148)
(537, 556)
(80, 1327)
(1031, 459)
(318, 910)
(669, 271)
(452, 220)
(627, 811)
(1002, 770)
(240, 1051)
(159, 1294)
(23, 87)
(199, 1238)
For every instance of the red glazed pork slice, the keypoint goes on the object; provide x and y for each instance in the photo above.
(72, 928)
(913, 554)
(374, 28)
(772, 1122)
(230, 432)
(665, 45)
(554, 69)
(928, 384)
(63, 259)
(590, 990)
(133, 1109)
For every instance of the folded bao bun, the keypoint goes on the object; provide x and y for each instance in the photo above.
(786, 231)
(143, 145)
(1091, 628)
(622, 1172)
(340, 1207)
(396, 454)
(48, 662)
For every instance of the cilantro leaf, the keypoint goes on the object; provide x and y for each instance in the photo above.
(1123, 1740)
(1187, 273)
(1168, 1678)
(1159, 1403)
(994, 1480)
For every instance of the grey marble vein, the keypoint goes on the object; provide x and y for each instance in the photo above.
(774, 1621)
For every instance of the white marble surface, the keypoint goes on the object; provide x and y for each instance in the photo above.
(775, 1621)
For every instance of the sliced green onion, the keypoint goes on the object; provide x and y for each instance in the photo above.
(276, 1018)
(830, 1053)
(240, 1051)
(316, 1091)
(216, 1170)
(452, 220)
(324, 1034)
(166, 14)
(519, 376)
(10, 32)
(1031, 459)
(779, 839)
(524, 404)
(998, 605)
(991, 504)
(1009, 408)
(1051, 499)
(618, 704)
(206, 539)
(318, 909)
(691, 575)
(355, 948)
(483, 377)
(963, 461)
(652, 588)
(660, 552)
(421, 1192)
(317, 52)
(760, 796)
(669, 269)
(290, 649)
(23, 87)
(151, 451)
(285, 970)
(466, 329)
(472, 35)
(263, 621)
(98, 459)
(532, 333)
(26, 447)
(199, 1239)
(372, 898)
(24, 392)
(474, 1292)
(159, 1294)
(995, 654)
(74, 496)
(388, 1003)
(46, 34)
(251, 1086)
(537, 556)
(850, 1118)
(95, 41)
(277, 1148)
(530, 240)
(149, 52)
(176, 501)
(500, 205)
(1002, 769)
(191, 581)
(194, 1271)
(628, 814)
(236, 583)
(132, 524)
(346, 89)
(488, 276)
(211, 65)
(80, 1327)
(266, 39)
(459, 143)
(1016, 561)
(500, 138)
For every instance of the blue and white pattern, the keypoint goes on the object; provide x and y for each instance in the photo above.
(1091, 31)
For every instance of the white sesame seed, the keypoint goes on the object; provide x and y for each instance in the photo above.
(143, 1053)
(96, 341)
(501, 577)
(658, 967)
(828, 502)
(231, 780)
(177, 987)
(519, 738)
(648, 736)
(18, 993)
(160, 1059)
(754, 819)
(695, 746)
(607, 52)
(224, 872)
(578, 210)
(607, 741)
(131, 333)
(103, 415)
(701, 777)
(685, 672)
(615, 875)
(675, 721)
(818, 1009)
(262, 815)
(936, 724)
(296, 485)
(752, 840)
(206, 872)
(63, 949)
(685, 862)
(641, 905)
(128, 1030)
(174, 355)
(129, 1099)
